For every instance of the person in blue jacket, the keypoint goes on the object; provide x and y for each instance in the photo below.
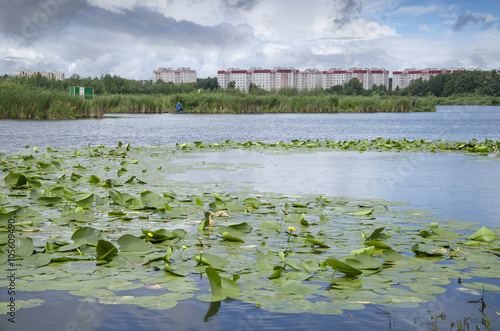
(179, 107)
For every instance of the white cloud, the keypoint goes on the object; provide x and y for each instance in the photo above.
(419, 10)
(425, 27)
(131, 38)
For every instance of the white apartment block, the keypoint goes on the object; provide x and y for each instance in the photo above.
(405, 77)
(333, 77)
(51, 75)
(367, 77)
(176, 76)
(267, 79)
(309, 79)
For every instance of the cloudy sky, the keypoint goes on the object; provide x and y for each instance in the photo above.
(131, 38)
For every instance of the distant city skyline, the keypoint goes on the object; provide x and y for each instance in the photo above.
(130, 38)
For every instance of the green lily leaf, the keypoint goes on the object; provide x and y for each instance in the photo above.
(392, 255)
(16, 180)
(49, 200)
(421, 253)
(245, 227)
(363, 212)
(316, 242)
(483, 234)
(229, 237)
(87, 235)
(377, 244)
(221, 287)
(105, 250)
(370, 250)
(311, 266)
(38, 260)
(94, 180)
(86, 201)
(277, 272)
(377, 234)
(130, 243)
(364, 261)
(174, 271)
(343, 268)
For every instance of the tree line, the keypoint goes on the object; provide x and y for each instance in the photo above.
(484, 83)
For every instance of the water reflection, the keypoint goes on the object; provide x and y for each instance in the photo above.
(457, 186)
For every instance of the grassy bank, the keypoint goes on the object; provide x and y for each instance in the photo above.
(22, 103)
(253, 104)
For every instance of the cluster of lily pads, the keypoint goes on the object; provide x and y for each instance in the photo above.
(105, 225)
(380, 144)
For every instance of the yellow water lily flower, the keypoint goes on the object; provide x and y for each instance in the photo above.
(150, 234)
(291, 228)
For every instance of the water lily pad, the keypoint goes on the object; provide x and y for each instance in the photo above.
(483, 234)
(342, 267)
(130, 243)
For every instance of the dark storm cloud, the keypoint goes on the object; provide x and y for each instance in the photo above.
(348, 10)
(240, 4)
(155, 28)
(26, 20)
(471, 18)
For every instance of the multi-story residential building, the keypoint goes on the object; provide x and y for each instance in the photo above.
(279, 78)
(176, 76)
(283, 77)
(309, 79)
(402, 79)
(334, 77)
(260, 77)
(379, 77)
(51, 75)
(367, 77)
(276, 78)
(239, 77)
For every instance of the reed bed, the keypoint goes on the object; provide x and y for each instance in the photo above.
(23, 103)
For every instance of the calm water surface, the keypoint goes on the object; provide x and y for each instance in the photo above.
(452, 185)
(453, 123)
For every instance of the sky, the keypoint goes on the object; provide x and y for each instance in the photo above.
(131, 38)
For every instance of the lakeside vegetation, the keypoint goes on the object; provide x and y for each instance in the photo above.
(41, 98)
(136, 230)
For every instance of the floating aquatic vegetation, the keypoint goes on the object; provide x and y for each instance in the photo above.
(82, 228)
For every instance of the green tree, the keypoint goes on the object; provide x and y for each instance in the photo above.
(353, 87)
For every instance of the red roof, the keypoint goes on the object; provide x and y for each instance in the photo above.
(377, 71)
(221, 72)
(238, 71)
(397, 72)
(415, 72)
(263, 71)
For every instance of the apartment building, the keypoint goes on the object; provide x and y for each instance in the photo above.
(333, 77)
(267, 79)
(51, 75)
(176, 76)
(402, 79)
(367, 77)
(309, 79)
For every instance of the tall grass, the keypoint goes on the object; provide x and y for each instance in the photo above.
(23, 103)
(248, 103)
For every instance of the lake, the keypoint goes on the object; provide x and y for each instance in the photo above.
(457, 123)
(457, 186)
